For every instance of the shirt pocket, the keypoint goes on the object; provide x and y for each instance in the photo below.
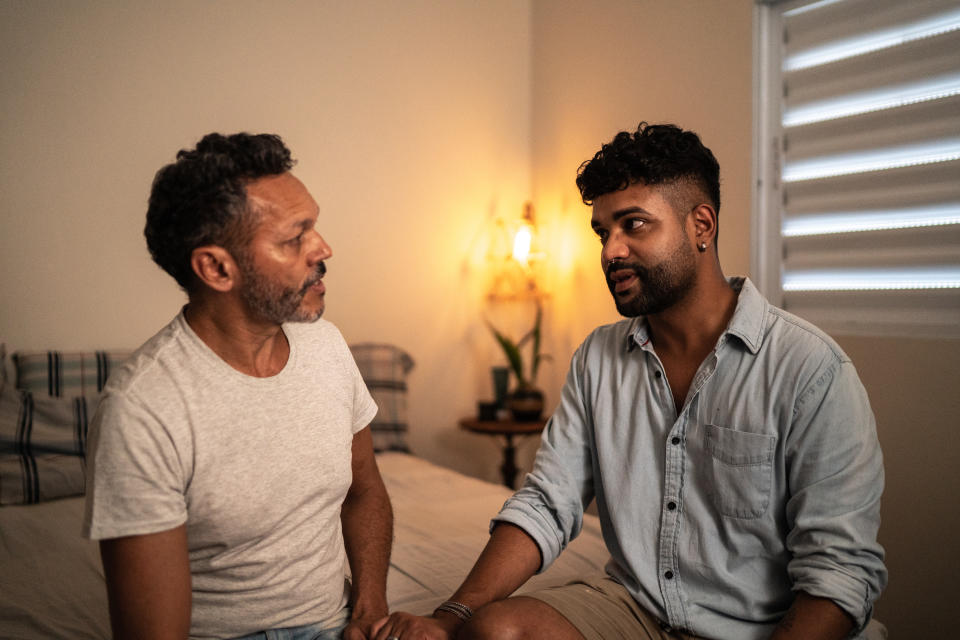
(741, 471)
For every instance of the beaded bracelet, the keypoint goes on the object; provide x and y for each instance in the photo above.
(458, 609)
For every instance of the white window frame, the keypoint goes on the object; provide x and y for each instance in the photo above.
(767, 249)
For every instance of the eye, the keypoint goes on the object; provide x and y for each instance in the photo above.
(297, 240)
(632, 224)
(601, 235)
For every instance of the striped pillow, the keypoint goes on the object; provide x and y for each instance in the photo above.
(384, 368)
(59, 374)
(42, 445)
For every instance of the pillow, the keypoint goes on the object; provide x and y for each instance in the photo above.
(42, 445)
(384, 368)
(60, 374)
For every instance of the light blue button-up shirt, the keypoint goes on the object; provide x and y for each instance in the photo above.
(767, 482)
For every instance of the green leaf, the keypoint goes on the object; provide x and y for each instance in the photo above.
(512, 351)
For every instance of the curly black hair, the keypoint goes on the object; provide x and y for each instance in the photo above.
(201, 198)
(655, 154)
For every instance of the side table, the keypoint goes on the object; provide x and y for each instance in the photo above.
(508, 429)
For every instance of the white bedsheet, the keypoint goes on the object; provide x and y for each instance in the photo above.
(52, 585)
(442, 520)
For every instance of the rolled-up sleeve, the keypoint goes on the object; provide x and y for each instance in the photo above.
(549, 507)
(836, 480)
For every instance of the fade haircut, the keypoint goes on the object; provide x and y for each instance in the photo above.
(656, 155)
(200, 199)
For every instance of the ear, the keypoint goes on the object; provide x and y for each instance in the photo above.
(215, 267)
(704, 219)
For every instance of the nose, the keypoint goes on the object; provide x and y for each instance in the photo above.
(320, 250)
(613, 249)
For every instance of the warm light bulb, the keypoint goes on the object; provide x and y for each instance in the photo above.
(521, 245)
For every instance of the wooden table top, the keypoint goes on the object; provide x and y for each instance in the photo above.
(502, 427)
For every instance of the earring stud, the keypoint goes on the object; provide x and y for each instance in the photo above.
(702, 247)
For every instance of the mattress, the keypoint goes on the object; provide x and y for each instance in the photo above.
(52, 585)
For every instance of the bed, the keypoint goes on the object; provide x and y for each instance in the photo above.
(51, 579)
(52, 586)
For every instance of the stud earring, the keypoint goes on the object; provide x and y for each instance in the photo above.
(702, 247)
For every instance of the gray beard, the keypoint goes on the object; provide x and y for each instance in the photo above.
(274, 302)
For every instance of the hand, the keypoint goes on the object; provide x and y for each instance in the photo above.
(361, 629)
(405, 626)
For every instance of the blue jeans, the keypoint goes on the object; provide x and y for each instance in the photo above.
(306, 632)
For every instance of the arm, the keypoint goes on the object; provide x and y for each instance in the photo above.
(367, 520)
(524, 540)
(835, 474)
(508, 560)
(811, 618)
(148, 585)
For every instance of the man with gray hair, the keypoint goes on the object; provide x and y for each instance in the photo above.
(231, 471)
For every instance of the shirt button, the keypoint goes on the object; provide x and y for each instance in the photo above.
(671, 505)
(657, 374)
(668, 575)
(674, 440)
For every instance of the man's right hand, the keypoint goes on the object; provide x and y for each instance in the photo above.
(406, 626)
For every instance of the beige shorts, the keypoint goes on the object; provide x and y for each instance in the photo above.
(602, 609)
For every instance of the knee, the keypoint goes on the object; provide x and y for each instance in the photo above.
(495, 621)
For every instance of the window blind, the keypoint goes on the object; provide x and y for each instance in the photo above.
(860, 136)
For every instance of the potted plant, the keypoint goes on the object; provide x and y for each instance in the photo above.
(525, 402)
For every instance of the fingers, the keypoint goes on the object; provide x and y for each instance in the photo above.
(353, 633)
(398, 627)
(378, 625)
(404, 626)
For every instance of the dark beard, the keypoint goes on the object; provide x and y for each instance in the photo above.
(274, 302)
(661, 286)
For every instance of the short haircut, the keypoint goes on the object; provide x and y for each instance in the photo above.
(200, 199)
(654, 155)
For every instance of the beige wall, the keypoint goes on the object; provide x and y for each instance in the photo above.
(604, 66)
(410, 122)
(913, 390)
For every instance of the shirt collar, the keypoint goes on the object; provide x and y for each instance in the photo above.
(746, 323)
(748, 317)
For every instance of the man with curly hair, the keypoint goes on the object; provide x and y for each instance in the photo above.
(729, 445)
(231, 472)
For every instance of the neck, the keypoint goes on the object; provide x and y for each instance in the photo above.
(694, 325)
(252, 347)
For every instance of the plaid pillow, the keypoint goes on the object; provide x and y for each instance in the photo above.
(384, 368)
(42, 446)
(59, 374)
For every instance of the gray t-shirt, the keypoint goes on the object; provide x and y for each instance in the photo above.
(257, 468)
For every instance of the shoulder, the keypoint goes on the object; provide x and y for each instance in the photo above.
(155, 359)
(789, 334)
(806, 359)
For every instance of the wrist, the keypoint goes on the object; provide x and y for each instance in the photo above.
(362, 609)
(448, 621)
